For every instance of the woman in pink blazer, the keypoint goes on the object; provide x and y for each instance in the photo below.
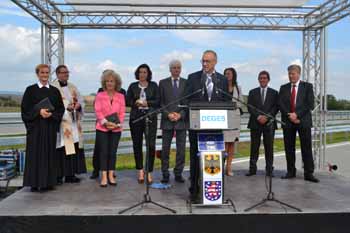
(110, 112)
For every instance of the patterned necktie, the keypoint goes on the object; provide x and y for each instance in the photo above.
(292, 99)
(263, 96)
(209, 87)
(175, 88)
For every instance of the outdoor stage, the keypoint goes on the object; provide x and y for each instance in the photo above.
(86, 207)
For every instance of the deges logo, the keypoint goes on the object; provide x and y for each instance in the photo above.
(213, 118)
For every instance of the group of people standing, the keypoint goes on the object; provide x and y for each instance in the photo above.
(52, 115)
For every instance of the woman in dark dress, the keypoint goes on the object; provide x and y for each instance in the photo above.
(143, 96)
(42, 125)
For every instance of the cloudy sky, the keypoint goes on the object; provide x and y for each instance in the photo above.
(88, 52)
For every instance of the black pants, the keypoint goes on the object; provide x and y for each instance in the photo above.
(194, 163)
(107, 143)
(289, 135)
(137, 131)
(96, 158)
(255, 140)
(167, 136)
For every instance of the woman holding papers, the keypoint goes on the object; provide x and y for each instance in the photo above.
(41, 109)
(143, 97)
(110, 112)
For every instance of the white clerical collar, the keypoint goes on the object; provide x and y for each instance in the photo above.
(41, 85)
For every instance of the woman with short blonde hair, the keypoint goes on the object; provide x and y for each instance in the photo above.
(110, 113)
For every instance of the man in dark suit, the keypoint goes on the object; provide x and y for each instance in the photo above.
(296, 102)
(209, 81)
(265, 99)
(173, 121)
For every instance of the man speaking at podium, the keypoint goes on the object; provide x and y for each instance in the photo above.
(209, 82)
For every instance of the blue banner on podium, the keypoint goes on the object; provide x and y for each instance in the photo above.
(211, 142)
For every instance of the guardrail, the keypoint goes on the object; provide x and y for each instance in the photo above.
(338, 121)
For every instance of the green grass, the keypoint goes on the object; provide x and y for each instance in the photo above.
(10, 109)
(126, 161)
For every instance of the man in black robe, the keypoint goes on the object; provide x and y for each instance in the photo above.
(42, 124)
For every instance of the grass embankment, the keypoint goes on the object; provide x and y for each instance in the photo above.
(126, 161)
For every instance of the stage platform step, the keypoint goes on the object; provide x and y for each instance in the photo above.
(325, 205)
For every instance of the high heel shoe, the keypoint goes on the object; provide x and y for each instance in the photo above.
(112, 183)
(141, 178)
(229, 173)
(149, 179)
(104, 185)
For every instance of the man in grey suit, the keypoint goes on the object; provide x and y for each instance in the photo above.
(173, 121)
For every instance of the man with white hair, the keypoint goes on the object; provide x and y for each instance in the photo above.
(173, 121)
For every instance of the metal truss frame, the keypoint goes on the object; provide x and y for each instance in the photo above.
(314, 71)
(311, 21)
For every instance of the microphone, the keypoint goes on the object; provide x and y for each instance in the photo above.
(331, 167)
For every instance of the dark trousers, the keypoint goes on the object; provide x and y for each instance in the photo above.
(107, 144)
(255, 140)
(96, 158)
(289, 136)
(137, 131)
(167, 136)
(194, 163)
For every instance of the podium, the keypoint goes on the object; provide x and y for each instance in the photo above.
(210, 119)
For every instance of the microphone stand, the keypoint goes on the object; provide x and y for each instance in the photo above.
(146, 196)
(270, 195)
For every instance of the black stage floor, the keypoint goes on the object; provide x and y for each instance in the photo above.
(86, 207)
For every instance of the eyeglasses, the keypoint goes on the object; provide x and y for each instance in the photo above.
(205, 61)
(64, 72)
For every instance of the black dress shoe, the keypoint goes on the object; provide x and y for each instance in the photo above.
(194, 199)
(75, 179)
(251, 173)
(94, 175)
(311, 178)
(72, 179)
(164, 180)
(179, 179)
(34, 189)
(59, 180)
(288, 176)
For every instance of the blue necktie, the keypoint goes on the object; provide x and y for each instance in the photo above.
(175, 88)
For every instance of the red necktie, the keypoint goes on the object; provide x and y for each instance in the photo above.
(292, 99)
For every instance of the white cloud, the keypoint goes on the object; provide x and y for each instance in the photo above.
(200, 37)
(72, 45)
(14, 12)
(183, 56)
(9, 8)
(296, 62)
(20, 48)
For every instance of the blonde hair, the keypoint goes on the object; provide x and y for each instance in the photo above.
(41, 66)
(111, 73)
(294, 67)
